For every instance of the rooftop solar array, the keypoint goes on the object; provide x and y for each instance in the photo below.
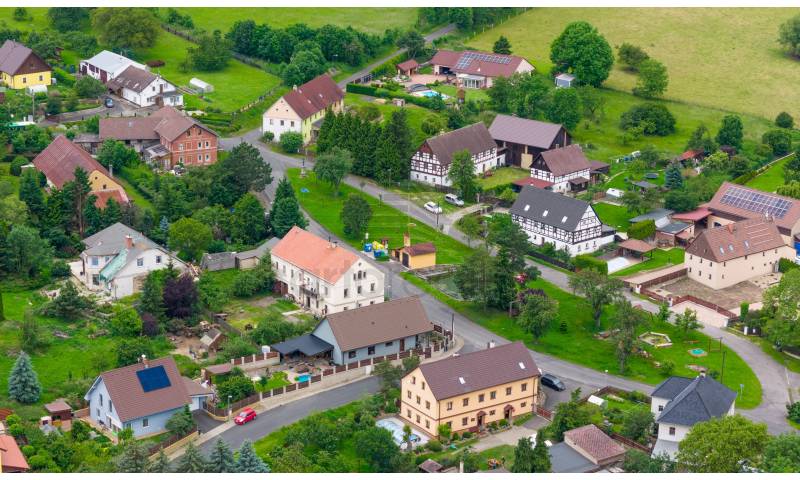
(756, 202)
(468, 57)
(153, 378)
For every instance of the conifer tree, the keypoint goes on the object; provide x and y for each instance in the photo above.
(673, 179)
(248, 461)
(31, 193)
(134, 458)
(23, 383)
(523, 456)
(192, 460)
(285, 212)
(160, 464)
(221, 459)
(152, 298)
(541, 458)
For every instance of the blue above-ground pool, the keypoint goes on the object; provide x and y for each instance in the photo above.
(302, 378)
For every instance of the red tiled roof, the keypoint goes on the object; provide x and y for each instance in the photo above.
(785, 223)
(314, 96)
(636, 245)
(420, 249)
(693, 216)
(103, 196)
(60, 159)
(314, 254)
(56, 406)
(486, 68)
(408, 65)
(691, 154)
(11, 457)
(534, 182)
(594, 442)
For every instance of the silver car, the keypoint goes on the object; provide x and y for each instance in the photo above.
(453, 199)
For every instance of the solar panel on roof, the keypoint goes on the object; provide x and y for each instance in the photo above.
(154, 378)
(756, 202)
(467, 58)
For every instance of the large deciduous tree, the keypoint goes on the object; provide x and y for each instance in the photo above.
(190, 237)
(125, 27)
(631, 55)
(332, 166)
(782, 454)
(789, 35)
(598, 289)
(653, 79)
(782, 327)
(731, 131)
(248, 221)
(475, 277)
(722, 445)
(583, 51)
(538, 312)
(626, 319)
(565, 108)
(241, 171)
(462, 175)
(356, 214)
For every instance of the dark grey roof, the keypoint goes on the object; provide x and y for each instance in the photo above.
(260, 250)
(523, 131)
(702, 399)
(671, 387)
(654, 214)
(565, 459)
(111, 240)
(133, 78)
(306, 344)
(646, 185)
(674, 227)
(218, 261)
(561, 211)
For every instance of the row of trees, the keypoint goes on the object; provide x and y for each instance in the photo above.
(135, 459)
(465, 18)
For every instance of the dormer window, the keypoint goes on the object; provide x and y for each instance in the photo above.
(564, 219)
(544, 214)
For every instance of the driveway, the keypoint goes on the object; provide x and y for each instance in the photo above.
(705, 315)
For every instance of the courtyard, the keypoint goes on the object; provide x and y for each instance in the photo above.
(729, 298)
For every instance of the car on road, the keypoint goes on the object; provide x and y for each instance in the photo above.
(553, 382)
(453, 199)
(109, 102)
(433, 207)
(246, 415)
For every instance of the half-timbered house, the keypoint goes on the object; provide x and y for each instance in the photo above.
(566, 167)
(431, 162)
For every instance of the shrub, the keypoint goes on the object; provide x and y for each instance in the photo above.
(666, 368)
(779, 140)
(434, 446)
(793, 412)
(155, 63)
(17, 164)
(466, 435)
(584, 262)
(652, 118)
(784, 120)
(642, 230)
(785, 264)
(60, 269)
(503, 423)
(267, 137)
(291, 142)
(456, 437)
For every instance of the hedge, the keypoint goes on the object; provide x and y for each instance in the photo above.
(785, 264)
(585, 262)
(642, 230)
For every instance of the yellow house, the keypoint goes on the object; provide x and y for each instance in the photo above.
(420, 255)
(20, 67)
(468, 392)
(300, 109)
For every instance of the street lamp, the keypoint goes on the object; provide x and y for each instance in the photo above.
(230, 407)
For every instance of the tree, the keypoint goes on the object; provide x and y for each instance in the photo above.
(23, 383)
(475, 277)
(2, 308)
(303, 66)
(642, 230)
(782, 454)
(504, 283)
(125, 322)
(592, 102)
(25, 252)
(565, 108)
(65, 19)
(687, 321)
(462, 175)
(627, 319)
(248, 461)
(390, 375)
(192, 460)
(333, 166)
(79, 191)
(394, 150)
(432, 125)
(221, 459)
(213, 52)
(541, 458)
(471, 227)
(243, 170)
(444, 432)
(637, 423)
(248, 222)
(598, 289)
(89, 87)
(31, 193)
(653, 79)
(637, 461)
(538, 312)
(180, 296)
(181, 423)
(631, 55)
(125, 27)
(413, 42)
(651, 118)
(134, 458)
(569, 415)
(673, 178)
(69, 304)
(130, 350)
(502, 46)
(151, 300)
(504, 233)
(779, 140)
(782, 327)
(789, 35)
(722, 445)
(160, 464)
(291, 142)
(377, 447)
(730, 131)
(583, 51)
(54, 104)
(114, 155)
(190, 237)
(784, 120)
(523, 456)
(701, 140)
(356, 214)
(32, 337)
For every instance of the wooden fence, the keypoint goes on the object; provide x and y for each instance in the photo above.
(168, 441)
(257, 357)
(551, 260)
(543, 412)
(664, 278)
(628, 442)
(676, 300)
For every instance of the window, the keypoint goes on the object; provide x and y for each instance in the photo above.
(413, 380)
(346, 293)
(427, 404)
(672, 430)
(417, 418)
(450, 424)
(661, 408)
(95, 261)
(491, 412)
(481, 397)
(281, 123)
(140, 262)
(351, 354)
(271, 121)
(371, 287)
(371, 350)
(523, 404)
(524, 387)
(199, 145)
(180, 146)
(465, 402)
(145, 422)
(41, 78)
(408, 413)
(158, 258)
(358, 290)
(292, 123)
(110, 406)
(419, 401)
(408, 392)
(427, 424)
(508, 390)
(101, 399)
(449, 405)
(464, 421)
(387, 344)
(492, 394)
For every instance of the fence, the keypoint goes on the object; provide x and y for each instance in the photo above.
(628, 442)
(169, 441)
(543, 412)
(551, 260)
(655, 281)
(256, 357)
(676, 300)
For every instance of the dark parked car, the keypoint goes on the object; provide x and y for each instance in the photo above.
(553, 382)
(109, 102)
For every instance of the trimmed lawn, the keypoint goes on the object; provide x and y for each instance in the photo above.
(371, 20)
(718, 34)
(451, 91)
(659, 258)
(578, 344)
(277, 380)
(414, 113)
(422, 193)
(503, 176)
(387, 222)
(613, 215)
(770, 179)
(499, 452)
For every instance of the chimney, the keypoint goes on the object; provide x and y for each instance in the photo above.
(128, 241)
(491, 344)
(144, 361)
(731, 227)
(111, 170)
(334, 244)
(294, 87)
(406, 239)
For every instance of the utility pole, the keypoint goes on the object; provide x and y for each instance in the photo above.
(722, 372)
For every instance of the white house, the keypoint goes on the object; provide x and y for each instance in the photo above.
(107, 65)
(117, 260)
(678, 403)
(144, 88)
(565, 222)
(475, 69)
(303, 108)
(143, 396)
(323, 276)
(431, 162)
(567, 168)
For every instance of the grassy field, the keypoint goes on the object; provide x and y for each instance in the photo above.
(372, 20)
(613, 215)
(387, 222)
(771, 178)
(503, 176)
(414, 113)
(658, 258)
(726, 58)
(578, 344)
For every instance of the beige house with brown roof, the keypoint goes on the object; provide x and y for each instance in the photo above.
(467, 392)
(298, 110)
(735, 252)
(323, 276)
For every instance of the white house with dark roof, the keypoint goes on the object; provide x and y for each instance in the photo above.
(431, 162)
(678, 403)
(107, 65)
(117, 260)
(565, 222)
(567, 168)
(144, 88)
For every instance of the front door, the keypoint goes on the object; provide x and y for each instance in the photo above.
(402, 344)
(480, 419)
(405, 259)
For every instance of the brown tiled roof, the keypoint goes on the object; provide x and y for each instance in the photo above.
(132, 402)
(420, 249)
(379, 323)
(103, 196)
(314, 254)
(786, 222)
(59, 405)
(446, 58)
(534, 182)
(60, 159)
(565, 160)
(11, 457)
(13, 56)
(129, 128)
(598, 166)
(132, 78)
(193, 388)
(735, 240)
(478, 66)
(523, 131)
(408, 64)
(479, 370)
(475, 138)
(595, 442)
(314, 96)
(636, 245)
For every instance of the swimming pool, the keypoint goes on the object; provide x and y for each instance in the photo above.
(431, 94)
(395, 426)
(302, 378)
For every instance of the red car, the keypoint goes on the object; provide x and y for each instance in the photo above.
(246, 415)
